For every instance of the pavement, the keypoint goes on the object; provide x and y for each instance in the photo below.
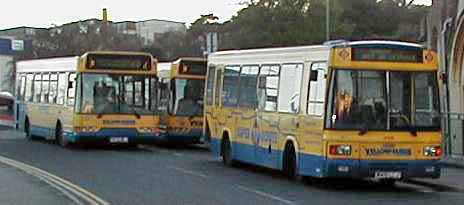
(452, 177)
(19, 188)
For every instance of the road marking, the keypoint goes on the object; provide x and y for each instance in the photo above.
(266, 195)
(190, 172)
(177, 154)
(65, 187)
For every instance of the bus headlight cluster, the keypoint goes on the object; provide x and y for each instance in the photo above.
(342, 150)
(432, 151)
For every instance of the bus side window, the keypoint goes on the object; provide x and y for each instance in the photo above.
(231, 85)
(268, 87)
(217, 94)
(71, 89)
(317, 85)
(37, 87)
(53, 88)
(45, 88)
(62, 83)
(29, 86)
(22, 88)
(290, 88)
(248, 87)
(210, 85)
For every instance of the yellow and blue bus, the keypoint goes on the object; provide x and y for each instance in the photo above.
(182, 97)
(106, 97)
(367, 109)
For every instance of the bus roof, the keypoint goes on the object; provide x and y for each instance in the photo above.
(115, 53)
(377, 42)
(194, 59)
(272, 55)
(62, 64)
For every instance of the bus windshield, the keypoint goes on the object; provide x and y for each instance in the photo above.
(117, 94)
(380, 100)
(188, 97)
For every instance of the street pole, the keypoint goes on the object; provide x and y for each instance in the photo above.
(327, 21)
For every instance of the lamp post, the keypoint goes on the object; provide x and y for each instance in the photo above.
(327, 21)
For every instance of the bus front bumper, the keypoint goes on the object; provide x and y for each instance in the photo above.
(396, 169)
(114, 137)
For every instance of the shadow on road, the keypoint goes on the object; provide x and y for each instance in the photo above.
(345, 185)
(182, 147)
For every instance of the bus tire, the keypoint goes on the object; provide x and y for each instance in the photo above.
(289, 163)
(59, 137)
(226, 152)
(27, 129)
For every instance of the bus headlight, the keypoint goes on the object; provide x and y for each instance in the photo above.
(342, 150)
(432, 151)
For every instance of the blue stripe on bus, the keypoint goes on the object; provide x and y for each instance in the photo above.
(319, 166)
(42, 131)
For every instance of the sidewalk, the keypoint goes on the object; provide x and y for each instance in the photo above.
(451, 177)
(19, 188)
(457, 162)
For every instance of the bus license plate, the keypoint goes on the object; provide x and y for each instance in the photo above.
(119, 140)
(387, 175)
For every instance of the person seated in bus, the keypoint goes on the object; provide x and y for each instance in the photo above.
(343, 105)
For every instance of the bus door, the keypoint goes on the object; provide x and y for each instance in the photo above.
(267, 122)
(310, 124)
(247, 111)
(21, 98)
(216, 110)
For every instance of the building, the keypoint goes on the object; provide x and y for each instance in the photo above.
(148, 30)
(446, 35)
(24, 33)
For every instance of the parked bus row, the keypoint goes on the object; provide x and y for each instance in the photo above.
(350, 109)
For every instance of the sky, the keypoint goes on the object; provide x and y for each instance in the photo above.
(45, 13)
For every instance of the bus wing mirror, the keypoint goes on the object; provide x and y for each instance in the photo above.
(70, 85)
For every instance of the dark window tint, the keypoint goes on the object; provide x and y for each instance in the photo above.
(231, 85)
(248, 86)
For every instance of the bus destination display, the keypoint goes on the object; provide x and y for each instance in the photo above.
(118, 62)
(387, 55)
(193, 68)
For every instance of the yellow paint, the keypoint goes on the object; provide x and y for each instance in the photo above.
(309, 131)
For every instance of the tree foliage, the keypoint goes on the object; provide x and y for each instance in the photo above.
(262, 23)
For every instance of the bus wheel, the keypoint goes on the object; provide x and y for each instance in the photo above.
(226, 152)
(59, 137)
(27, 130)
(289, 164)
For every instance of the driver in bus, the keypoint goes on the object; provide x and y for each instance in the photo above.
(188, 105)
